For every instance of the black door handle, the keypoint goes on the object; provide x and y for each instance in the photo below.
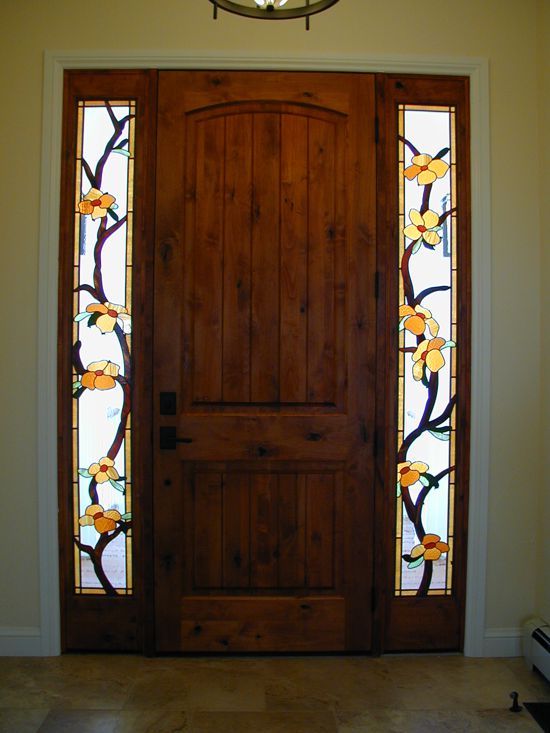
(169, 439)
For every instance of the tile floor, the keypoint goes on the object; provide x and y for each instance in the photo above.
(394, 694)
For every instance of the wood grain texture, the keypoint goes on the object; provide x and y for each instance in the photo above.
(299, 624)
(267, 277)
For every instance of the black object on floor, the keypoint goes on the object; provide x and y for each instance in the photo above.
(541, 713)
(516, 707)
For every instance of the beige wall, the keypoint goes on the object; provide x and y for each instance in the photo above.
(544, 129)
(503, 31)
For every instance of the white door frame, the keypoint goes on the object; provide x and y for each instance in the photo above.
(55, 62)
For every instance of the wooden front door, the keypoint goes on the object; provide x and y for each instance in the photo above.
(264, 362)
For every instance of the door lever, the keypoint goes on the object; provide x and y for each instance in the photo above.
(169, 439)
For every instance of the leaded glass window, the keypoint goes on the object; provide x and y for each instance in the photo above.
(427, 350)
(102, 366)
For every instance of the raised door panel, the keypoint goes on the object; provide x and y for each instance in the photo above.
(265, 257)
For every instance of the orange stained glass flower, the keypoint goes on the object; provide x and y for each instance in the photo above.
(425, 169)
(423, 226)
(100, 375)
(110, 314)
(417, 318)
(96, 203)
(104, 470)
(428, 354)
(103, 521)
(409, 473)
(431, 548)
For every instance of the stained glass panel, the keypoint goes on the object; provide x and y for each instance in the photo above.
(101, 354)
(427, 350)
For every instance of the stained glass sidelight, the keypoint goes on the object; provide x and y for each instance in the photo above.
(101, 355)
(427, 350)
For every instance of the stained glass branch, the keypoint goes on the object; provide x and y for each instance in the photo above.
(119, 436)
(423, 426)
(96, 556)
(118, 130)
(103, 235)
(89, 174)
(411, 147)
(425, 583)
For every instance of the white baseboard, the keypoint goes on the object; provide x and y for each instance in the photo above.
(502, 643)
(24, 641)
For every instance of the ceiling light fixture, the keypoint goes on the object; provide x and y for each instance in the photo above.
(273, 9)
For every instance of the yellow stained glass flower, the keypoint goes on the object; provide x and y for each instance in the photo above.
(428, 354)
(110, 313)
(409, 473)
(103, 521)
(96, 203)
(100, 375)
(431, 548)
(417, 318)
(104, 470)
(423, 226)
(425, 169)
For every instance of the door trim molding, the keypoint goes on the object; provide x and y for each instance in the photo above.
(55, 62)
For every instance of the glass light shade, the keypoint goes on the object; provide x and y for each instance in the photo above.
(270, 4)
(265, 9)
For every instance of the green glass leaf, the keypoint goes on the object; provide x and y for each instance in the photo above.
(402, 323)
(77, 384)
(407, 558)
(122, 152)
(116, 485)
(417, 246)
(82, 316)
(398, 490)
(416, 563)
(448, 345)
(84, 472)
(93, 319)
(431, 481)
(126, 516)
(424, 481)
(441, 153)
(440, 436)
(112, 214)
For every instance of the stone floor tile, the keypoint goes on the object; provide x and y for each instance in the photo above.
(21, 721)
(81, 682)
(504, 721)
(450, 683)
(531, 685)
(227, 689)
(152, 721)
(159, 689)
(80, 721)
(267, 722)
(328, 683)
(436, 721)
